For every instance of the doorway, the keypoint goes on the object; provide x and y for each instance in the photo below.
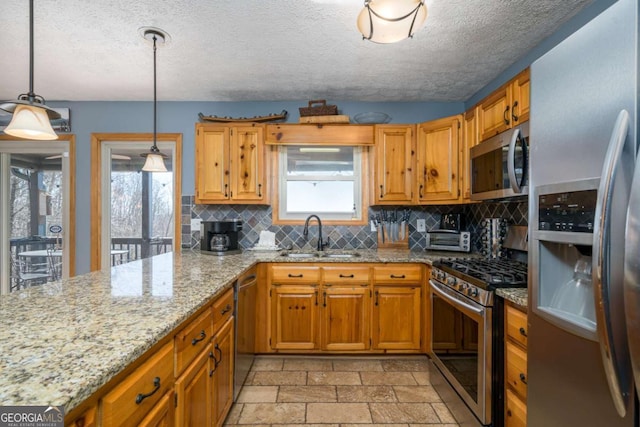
(134, 214)
(37, 211)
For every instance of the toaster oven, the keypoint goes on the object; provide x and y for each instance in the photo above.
(448, 240)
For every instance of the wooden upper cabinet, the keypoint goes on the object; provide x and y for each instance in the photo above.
(469, 139)
(230, 164)
(247, 162)
(394, 164)
(437, 167)
(212, 164)
(505, 108)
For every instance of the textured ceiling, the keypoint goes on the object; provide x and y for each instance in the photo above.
(259, 50)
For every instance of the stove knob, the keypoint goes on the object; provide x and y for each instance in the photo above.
(473, 292)
(462, 286)
(451, 281)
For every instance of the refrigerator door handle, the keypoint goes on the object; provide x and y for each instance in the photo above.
(511, 162)
(632, 275)
(601, 285)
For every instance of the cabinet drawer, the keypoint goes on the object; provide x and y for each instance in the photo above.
(222, 309)
(282, 274)
(400, 273)
(515, 411)
(348, 275)
(516, 375)
(87, 419)
(192, 339)
(516, 325)
(128, 402)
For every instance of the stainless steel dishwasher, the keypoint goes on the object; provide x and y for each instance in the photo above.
(245, 309)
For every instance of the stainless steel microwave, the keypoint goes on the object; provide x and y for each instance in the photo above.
(499, 165)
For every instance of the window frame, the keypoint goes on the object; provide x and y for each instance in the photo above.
(361, 168)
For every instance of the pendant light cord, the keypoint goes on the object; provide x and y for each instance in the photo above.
(155, 113)
(31, 95)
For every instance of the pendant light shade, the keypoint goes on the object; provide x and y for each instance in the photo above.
(31, 117)
(154, 158)
(390, 21)
(31, 123)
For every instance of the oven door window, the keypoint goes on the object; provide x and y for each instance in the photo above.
(455, 343)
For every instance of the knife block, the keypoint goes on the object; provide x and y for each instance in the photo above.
(398, 244)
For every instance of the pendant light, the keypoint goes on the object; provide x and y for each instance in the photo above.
(155, 159)
(390, 21)
(31, 117)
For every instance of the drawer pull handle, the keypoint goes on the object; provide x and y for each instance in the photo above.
(316, 293)
(505, 116)
(523, 378)
(324, 299)
(226, 309)
(195, 341)
(514, 115)
(381, 192)
(376, 300)
(402, 276)
(523, 331)
(259, 190)
(156, 386)
(347, 276)
(295, 275)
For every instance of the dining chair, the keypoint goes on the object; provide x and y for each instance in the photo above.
(21, 279)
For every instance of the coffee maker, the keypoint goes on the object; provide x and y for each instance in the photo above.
(220, 237)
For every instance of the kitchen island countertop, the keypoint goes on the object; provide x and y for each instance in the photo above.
(62, 341)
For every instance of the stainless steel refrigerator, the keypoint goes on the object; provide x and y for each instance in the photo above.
(583, 325)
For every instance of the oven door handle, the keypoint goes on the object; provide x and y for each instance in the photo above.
(437, 287)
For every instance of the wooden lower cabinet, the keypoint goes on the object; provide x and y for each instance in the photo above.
(396, 317)
(194, 390)
(163, 414)
(515, 361)
(137, 395)
(344, 318)
(88, 418)
(515, 411)
(222, 373)
(294, 317)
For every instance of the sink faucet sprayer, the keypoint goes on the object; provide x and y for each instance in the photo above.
(305, 232)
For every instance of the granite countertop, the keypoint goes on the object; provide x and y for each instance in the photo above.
(517, 296)
(60, 342)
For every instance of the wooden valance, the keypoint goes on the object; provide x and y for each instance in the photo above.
(316, 134)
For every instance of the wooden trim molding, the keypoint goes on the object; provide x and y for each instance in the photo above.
(96, 184)
(313, 134)
(71, 139)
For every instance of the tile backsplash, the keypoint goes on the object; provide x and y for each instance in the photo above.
(257, 218)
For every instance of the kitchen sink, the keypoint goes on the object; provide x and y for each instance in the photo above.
(300, 255)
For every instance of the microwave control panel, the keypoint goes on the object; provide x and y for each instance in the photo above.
(572, 211)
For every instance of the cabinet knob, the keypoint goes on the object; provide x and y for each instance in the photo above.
(523, 331)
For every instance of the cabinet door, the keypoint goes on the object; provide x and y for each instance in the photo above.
(437, 159)
(394, 159)
(212, 164)
(396, 319)
(162, 415)
(494, 113)
(520, 87)
(294, 317)
(515, 411)
(345, 317)
(222, 375)
(248, 177)
(470, 139)
(194, 393)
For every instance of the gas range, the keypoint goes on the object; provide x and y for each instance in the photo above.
(477, 278)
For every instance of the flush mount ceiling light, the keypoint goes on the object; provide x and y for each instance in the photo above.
(155, 159)
(31, 117)
(389, 21)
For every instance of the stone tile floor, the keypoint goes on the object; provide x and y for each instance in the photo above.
(340, 392)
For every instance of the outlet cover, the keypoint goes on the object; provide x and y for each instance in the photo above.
(421, 225)
(195, 224)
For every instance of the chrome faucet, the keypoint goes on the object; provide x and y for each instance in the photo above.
(305, 232)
